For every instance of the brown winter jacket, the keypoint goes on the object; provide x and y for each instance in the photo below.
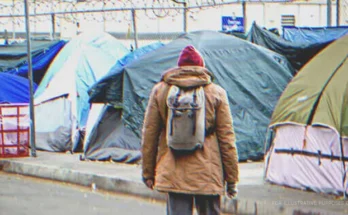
(206, 170)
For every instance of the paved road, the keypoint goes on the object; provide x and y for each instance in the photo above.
(25, 196)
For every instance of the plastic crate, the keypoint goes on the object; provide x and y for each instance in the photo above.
(14, 130)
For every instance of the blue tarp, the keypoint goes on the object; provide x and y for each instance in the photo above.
(40, 62)
(297, 52)
(109, 88)
(14, 89)
(13, 58)
(314, 35)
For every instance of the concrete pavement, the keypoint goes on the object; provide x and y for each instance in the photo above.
(255, 196)
(22, 195)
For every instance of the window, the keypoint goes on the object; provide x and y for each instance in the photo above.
(288, 20)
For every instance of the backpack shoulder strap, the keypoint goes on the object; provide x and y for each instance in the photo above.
(163, 101)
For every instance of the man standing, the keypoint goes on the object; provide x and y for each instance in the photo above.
(196, 173)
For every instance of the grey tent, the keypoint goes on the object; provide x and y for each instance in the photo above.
(106, 136)
(253, 76)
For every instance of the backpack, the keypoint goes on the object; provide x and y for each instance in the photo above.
(186, 118)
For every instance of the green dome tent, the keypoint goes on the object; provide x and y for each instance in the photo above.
(310, 126)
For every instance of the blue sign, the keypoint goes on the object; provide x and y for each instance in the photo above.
(235, 24)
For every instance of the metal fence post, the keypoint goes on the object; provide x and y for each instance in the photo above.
(13, 21)
(185, 12)
(135, 28)
(328, 12)
(30, 74)
(185, 16)
(53, 22)
(244, 15)
(338, 15)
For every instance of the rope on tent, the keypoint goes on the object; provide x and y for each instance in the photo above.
(317, 154)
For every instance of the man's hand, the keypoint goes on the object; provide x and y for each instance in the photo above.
(232, 190)
(149, 183)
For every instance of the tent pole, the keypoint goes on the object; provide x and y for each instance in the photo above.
(30, 74)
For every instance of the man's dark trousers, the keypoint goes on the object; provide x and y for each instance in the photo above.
(182, 204)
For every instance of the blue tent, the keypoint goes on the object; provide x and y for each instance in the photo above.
(13, 58)
(14, 89)
(109, 88)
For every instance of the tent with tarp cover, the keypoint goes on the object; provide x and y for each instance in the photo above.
(109, 88)
(13, 58)
(253, 77)
(297, 52)
(314, 34)
(308, 143)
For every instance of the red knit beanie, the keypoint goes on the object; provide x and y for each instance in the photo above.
(190, 57)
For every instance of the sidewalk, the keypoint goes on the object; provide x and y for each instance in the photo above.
(255, 196)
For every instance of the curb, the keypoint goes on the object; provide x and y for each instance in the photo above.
(80, 178)
(230, 206)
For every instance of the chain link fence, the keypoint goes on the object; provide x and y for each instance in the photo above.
(101, 10)
(68, 17)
